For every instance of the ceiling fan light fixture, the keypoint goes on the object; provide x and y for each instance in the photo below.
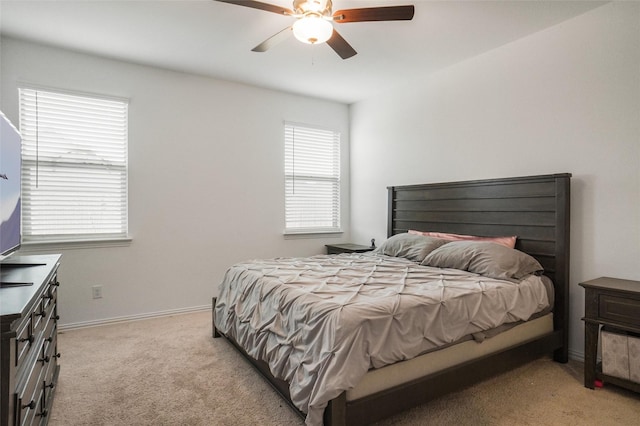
(312, 29)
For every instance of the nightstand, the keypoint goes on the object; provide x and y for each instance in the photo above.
(347, 248)
(614, 303)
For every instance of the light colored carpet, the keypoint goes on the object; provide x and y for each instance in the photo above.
(170, 371)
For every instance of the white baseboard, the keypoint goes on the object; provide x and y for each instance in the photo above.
(576, 355)
(573, 354)
(128, 318)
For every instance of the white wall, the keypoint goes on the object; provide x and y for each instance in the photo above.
(566, 99)
(206, 184)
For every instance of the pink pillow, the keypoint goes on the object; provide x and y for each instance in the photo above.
(505, 241)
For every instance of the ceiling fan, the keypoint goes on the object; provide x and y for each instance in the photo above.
(313, 21)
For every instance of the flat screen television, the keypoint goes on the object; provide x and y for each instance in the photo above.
(10, 202)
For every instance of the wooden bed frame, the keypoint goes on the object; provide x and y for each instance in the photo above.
(537, 210)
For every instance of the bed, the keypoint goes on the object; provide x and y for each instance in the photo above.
(533, 208)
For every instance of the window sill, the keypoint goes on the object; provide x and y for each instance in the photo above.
(39, 246)
(310, 234)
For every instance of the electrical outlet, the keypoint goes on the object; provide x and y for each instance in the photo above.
(96, 291)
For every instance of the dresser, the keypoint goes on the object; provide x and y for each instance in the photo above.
(614, 303)
(28, 338)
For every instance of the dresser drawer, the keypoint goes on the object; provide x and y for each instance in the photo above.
(49, 381)
(49, 345)
(52, 289)
(50, 319)
(49, 298)
(29, 395)
(39, 367)
(24, 341)
(37, 317)
(619, 309)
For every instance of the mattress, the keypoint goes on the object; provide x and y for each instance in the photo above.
(322, 322)
(399, 373)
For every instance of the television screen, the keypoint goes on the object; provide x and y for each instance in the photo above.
(10, 163)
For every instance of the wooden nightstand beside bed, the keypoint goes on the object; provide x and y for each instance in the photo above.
(347, 248)
(613, 303)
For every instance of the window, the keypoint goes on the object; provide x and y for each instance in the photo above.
(312, 179)
(74, 167)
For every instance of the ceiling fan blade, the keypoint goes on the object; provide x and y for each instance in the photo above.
(273, 40)
(340, 45)
(387, 13)
(259, 5)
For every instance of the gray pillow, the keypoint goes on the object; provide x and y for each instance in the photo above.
(409, 246)
(489, 259)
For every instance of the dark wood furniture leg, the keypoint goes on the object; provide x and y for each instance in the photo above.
(215, 333)
(590, 345)
(336, 412)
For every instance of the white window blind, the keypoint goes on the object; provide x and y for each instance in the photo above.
(312, 179)
(74, 166)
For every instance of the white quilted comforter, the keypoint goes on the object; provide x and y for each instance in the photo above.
(322, 322)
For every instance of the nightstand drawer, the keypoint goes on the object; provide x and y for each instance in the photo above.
(619, 309)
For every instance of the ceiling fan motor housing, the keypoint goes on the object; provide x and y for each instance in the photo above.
(320, 7)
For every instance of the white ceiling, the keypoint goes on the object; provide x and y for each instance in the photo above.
(215, 39)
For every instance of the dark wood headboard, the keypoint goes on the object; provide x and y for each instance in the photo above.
(534, 208)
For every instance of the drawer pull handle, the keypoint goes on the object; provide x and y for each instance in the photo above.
(40, 314)
(48, 358)
(55, 283)
(44, 413)
(29, 339)
(30, 405)
(56, 317)
(51, 385)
